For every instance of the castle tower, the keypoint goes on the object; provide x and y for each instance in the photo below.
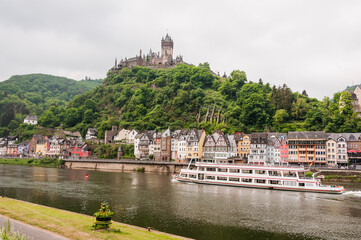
(167, 49)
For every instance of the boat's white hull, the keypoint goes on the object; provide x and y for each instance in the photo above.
(328, 189)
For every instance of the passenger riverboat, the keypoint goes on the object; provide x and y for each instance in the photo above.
(255, 176)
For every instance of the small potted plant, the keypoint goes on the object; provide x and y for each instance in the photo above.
(103, 217)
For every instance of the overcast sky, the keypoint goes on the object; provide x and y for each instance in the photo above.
(313, 45)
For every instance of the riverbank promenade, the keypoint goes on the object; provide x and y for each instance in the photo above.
(41, 222)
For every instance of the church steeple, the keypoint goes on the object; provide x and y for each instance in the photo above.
(116, 62)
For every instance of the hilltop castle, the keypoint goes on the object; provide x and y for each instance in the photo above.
(152, 59)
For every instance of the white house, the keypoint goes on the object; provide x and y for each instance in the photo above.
(3, 149)
(91, 133)
(258, 153)
(174, 144)
(122, 135)
(232, 149)
(31, 119)
(136, 142)
(131, 136)
(182, 146)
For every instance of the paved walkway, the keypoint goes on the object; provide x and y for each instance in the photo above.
(33, 233)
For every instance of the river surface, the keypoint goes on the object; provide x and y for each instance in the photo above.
(191, 210)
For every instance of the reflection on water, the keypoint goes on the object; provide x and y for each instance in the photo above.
(192, 210)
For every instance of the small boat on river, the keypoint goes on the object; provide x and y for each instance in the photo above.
(255, 176)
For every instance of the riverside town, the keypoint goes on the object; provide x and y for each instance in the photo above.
(165, 120)
(335, 150)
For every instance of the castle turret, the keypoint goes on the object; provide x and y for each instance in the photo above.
(167, 49)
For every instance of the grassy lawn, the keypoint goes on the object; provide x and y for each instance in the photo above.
(45, 162)
(71, 225)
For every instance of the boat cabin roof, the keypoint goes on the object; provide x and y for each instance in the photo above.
(248, 166)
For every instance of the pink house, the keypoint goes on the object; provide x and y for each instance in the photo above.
(80, 150)
(284, 151)
(12, 149)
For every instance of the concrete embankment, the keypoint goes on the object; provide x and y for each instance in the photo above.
(71, 225)
(125, 165)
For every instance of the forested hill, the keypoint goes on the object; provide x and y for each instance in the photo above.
(193, 97)
(35, 93)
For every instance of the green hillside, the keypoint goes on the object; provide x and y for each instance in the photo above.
(35, 93)
(193, 97)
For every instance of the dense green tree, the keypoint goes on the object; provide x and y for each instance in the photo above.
(299, 108)
(280, 116)
(88, 116)
(72, 117)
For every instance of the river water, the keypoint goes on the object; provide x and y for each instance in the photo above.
(191, 210)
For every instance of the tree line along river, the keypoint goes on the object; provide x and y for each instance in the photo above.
(190, 210)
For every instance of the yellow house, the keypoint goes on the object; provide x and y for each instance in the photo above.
(41, 148)
(195, 142)
(243, 147)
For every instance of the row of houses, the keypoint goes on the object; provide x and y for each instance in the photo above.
(294, 148)
(113, 136)
(45, 146)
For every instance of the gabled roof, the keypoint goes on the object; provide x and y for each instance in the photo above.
(166, 133)
(220, 136)
(336, 136)
(176, 133)
(259, 137)
(194, 135)
(352, 136)
(307, 135)
(31, 118)
(92, 131)
(209, 138)
(39, 138)
(24, 144)
(11, 138)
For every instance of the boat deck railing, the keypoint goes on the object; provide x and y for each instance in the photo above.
(249, 165)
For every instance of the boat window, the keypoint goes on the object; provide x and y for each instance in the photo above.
(274, 173)
(301, 174)
(301, 184)
(289, 183)
(211, 169)
(234, 170)
(275, 182)
(211, 177)
(183, 175)
(309, 184)
(263, 181)
(200, 168)
(260, 172)
(248, 180)
(232, 179)
(246, 171)
(222, 178)
(222, 169)
(289, 174)
(192, 176)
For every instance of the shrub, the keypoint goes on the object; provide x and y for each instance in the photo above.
(140, 169)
